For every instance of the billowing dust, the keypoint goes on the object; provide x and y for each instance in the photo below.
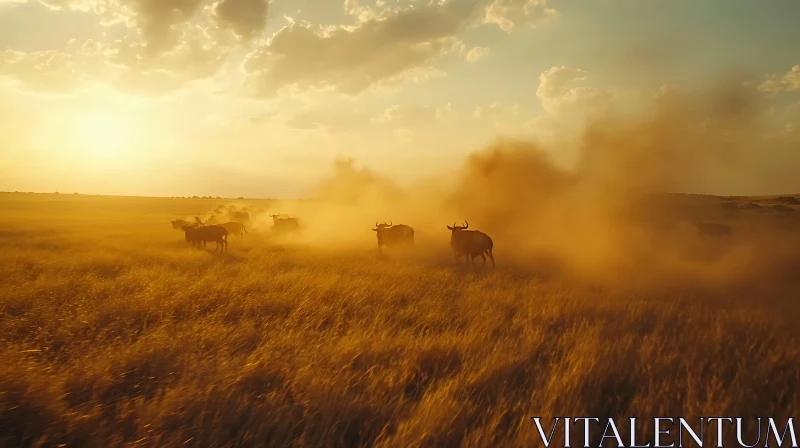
(606, 217)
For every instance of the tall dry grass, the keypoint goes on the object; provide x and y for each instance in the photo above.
(115, 333)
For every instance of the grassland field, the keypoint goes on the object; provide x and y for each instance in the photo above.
(113, 332)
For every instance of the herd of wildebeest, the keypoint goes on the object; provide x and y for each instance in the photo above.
(463, 242)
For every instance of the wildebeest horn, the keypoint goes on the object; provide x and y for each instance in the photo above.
(391, 223)
(376, 223)
(467, 225)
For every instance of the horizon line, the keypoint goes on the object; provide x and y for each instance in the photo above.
(244, 198)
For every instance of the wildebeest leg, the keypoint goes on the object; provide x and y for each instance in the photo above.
(491, 256)
(484, 259)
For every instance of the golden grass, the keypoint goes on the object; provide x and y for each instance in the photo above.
(115, 333)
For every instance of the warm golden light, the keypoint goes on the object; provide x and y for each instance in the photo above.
(104, 137)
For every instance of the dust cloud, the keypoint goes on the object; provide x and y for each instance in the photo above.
(608, 215)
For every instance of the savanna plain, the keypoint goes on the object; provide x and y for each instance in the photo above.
(115, 332)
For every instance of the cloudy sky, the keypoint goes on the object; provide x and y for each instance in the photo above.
(256, 98)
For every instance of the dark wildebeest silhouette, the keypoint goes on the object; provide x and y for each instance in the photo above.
(390, 235)
(240, 216)
(470, 243)
(284, 225)
(235, 228)
(179, 224)
(197, 235)
(712, 229)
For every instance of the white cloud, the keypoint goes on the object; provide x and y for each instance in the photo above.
(50, 71)
(414, 116)
(78, 5)
(496, 110)
(387, 43)
(351, 59)
(247, 18)
(56, 5)
(474, 54)
(510, 15)
(11, 3)
(194, 58)
(787, 82)
(120, 64)
(331, 120)
(559, 95)
(171, 42)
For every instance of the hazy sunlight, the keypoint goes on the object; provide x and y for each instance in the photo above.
(104, 138)
(404, 223)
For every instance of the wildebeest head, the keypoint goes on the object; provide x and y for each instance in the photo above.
(378, 227)
(454, 229)
(277, 217)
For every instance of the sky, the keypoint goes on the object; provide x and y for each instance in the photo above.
(258, 99)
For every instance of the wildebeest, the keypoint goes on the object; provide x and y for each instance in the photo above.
(390, 235)
(197, 235)
(179, 224)
(240, 216)
(284, 225)
(713, 229)
(235, 228)
(470, 243)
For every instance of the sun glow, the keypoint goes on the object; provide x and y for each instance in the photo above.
(104, 137)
